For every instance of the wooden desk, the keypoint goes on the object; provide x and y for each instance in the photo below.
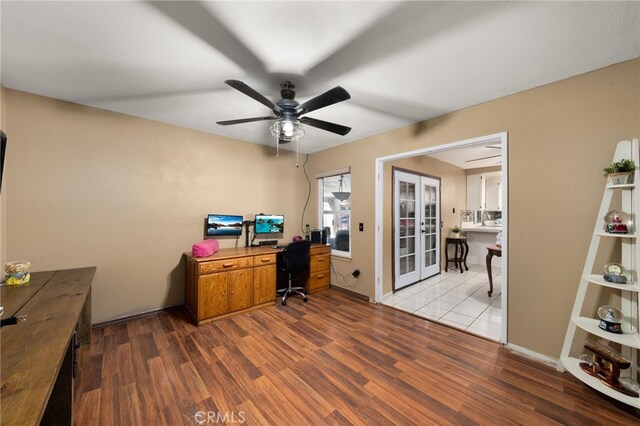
(492, 250)
(37, 355)
(236, 280)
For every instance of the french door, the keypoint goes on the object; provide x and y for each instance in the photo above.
(416, 213)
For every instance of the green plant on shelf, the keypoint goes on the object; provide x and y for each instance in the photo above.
(622, 166)
(455, 229)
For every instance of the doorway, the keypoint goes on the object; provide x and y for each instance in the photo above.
(416, 211)
(383, 260)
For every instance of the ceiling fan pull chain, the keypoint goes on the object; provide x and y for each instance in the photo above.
(277, 147)
(297, 144)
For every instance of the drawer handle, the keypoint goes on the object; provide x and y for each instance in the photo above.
(264, 259)
(320, 276)
(321, 259)
(227, 265)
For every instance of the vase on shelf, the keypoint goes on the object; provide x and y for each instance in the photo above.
(621, 178)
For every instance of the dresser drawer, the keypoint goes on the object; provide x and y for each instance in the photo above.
(318, 281)
(320, 262)
(225, 265)
(264, 259)
(320, 249)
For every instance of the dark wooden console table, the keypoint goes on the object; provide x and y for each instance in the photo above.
(493, 250)
(37, 355)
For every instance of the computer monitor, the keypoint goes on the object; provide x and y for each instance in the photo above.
(219, 225)
(269, 224)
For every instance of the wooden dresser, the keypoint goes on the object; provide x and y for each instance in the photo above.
(239, 279)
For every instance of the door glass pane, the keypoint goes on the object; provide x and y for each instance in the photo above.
(411, 209)
(411, 246)
(403, 247)
(411, 229)
(428, 241)
(411, 191)
(411, 263)
(431, 258)
(403, 265)
(403, 191)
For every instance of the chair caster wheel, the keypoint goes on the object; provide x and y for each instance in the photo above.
(305, 299)
(284, 303)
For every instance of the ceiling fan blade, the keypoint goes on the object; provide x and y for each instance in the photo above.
(325, 125)
(493, 147)
(252, 93)
(404, 26)
(244, 120)
(195, 17)
(330, 97)
(484, 158)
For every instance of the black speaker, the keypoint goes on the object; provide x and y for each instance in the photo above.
(316, 236)
(325, 235)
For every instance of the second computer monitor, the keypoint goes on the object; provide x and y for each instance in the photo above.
(269, 224)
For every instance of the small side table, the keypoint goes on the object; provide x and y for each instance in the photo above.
(493, 250)
(458, 259)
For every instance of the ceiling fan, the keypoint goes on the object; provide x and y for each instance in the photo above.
(288, 112)
(488, 157)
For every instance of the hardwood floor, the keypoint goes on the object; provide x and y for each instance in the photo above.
(334, 360)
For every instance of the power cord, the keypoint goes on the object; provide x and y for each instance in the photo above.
(346, 277)
(304, 168)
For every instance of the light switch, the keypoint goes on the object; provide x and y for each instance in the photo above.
(361, 227)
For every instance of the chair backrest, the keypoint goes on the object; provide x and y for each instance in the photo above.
(296, 257)
(342, 240)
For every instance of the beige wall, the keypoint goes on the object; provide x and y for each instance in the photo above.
(453, 186)
(560, 137)
(128, 195)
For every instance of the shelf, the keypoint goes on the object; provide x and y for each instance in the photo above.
(573, 366)
(591, 325)
(622, 186)
(599, 280)
(607, 234)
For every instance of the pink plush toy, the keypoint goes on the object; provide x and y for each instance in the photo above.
(205, 248)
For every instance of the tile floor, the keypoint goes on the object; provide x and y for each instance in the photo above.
(456, 299)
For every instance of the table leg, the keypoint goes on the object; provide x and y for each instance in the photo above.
(466, 252)
(446, 257)
(459, 257)
(489, 256)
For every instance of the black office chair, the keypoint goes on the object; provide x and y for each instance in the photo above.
(295, 263)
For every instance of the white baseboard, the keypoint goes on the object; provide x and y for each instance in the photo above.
(527, 353)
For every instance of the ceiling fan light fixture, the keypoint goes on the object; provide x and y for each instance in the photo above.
(287, 130)
(288, 127)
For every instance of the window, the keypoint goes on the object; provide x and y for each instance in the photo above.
(334, 201)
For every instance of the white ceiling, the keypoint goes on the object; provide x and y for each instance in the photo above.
(402, 62)
(472, 157)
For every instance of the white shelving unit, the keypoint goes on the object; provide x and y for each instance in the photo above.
(628, 293)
